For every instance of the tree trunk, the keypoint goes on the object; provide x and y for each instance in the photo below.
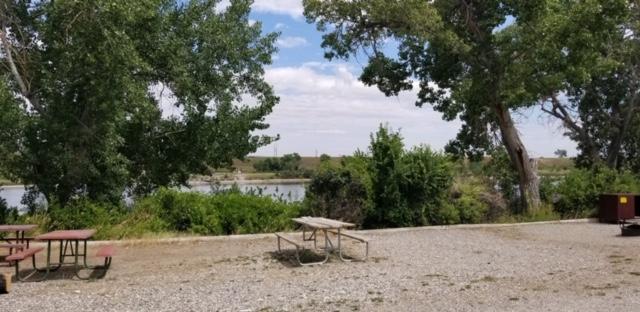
(528, 179)
(613, 157)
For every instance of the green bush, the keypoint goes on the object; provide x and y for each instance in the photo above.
(579, 191)
(470, 197)
(214, 214)
(501, 174)
(337, 193)
(83, 213)
(389, 187)
(425, 183)
(8, 215)
(288, 162)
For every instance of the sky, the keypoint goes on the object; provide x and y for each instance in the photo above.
(324, 108)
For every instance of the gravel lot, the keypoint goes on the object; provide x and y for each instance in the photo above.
(541, 267)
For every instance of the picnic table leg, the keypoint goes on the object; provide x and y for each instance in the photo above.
(102, 268)
(35, 268)
(75, 262)
(49, 268)
(340, 248)
(326, 251)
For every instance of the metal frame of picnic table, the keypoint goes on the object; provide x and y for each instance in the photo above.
(67, 239)
(323, 224)
(19, 230)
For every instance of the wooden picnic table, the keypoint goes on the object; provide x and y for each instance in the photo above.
(324, 225)
(69, 240)
(19, 241)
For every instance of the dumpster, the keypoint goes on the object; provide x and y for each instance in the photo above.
(616, 207)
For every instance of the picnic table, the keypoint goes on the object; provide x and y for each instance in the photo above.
(314, 225)
(19, 241)
(72, 244)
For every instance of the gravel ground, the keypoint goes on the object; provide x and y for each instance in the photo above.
(543, 267)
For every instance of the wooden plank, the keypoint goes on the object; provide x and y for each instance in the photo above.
(351, 235)
(290, 239)
(12, 246)
(17, 227)
(310, 223)
(334, 223)
(67, 235)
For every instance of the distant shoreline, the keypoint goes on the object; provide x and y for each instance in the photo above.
(222, 182)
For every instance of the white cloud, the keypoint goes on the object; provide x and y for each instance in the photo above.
(220, 7)
(325, 108)
(292, 42)
(280, 26)
(292, 8)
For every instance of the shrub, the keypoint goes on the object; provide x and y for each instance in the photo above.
(578, 193)
(501, 174)
(426, 180)
(8, 214)
(214, 214)
(82, 213)
(409, 188)
(288, 162)
(337, 193)
(472, 199)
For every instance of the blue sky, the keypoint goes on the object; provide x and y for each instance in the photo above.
(325, 109)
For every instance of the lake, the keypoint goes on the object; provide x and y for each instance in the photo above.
(290, 191)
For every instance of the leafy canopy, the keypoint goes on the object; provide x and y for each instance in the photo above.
(81, 116)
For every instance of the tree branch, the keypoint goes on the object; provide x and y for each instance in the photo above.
(24, 90)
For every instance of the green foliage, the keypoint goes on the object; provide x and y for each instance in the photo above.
(562, 153)
(8, 215)
(338, 193)
(389, 204)
(389, 187)
(325, 158)
(82, 214)
(81, 117)
(288, 162)
(471, 198)
(579, 191)
(171, 211)
(224, 213)
(469, 64)
(287, 166)
(501, 173)
(545, 213)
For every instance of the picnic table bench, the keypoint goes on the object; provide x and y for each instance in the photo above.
(315, 225)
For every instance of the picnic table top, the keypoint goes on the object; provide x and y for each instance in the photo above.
(67, 235)
(17, 227)
(322, 223)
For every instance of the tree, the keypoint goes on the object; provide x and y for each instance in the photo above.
(76, 82)
(469, 61)
(325, 158)
(560, 153)
(602, 113)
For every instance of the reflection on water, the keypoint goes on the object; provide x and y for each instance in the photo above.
(286, 191)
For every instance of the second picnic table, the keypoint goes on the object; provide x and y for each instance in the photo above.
(326, 226)
(69, 239)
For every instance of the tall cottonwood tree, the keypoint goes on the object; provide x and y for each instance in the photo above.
(602, 113)
(77, 107)
(473, 60)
